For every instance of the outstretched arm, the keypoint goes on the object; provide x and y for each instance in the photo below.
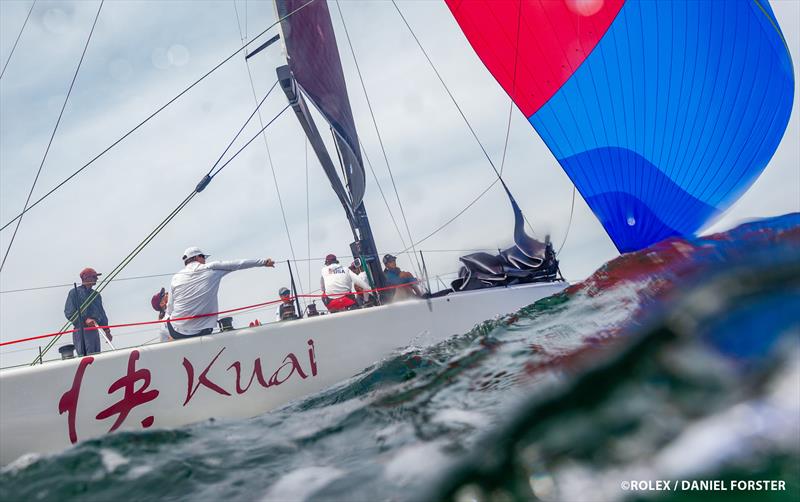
(230, 266)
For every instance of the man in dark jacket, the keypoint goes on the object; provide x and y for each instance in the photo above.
(86, 341)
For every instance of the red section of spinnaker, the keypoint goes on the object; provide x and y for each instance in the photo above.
(533, 46)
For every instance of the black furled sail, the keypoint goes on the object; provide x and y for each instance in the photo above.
(528, 260)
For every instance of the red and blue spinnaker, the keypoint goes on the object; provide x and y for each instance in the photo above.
(662, 113)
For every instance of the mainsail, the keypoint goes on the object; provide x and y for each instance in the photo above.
(315, 68)
(662, 113)
(314, 62)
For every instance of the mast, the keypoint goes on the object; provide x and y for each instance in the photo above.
(314, 73)
(301, 110)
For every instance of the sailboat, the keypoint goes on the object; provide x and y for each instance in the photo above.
(246, 372)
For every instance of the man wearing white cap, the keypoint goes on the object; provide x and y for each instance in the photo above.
(193, 292)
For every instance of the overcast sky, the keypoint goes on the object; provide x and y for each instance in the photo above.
(143, 53)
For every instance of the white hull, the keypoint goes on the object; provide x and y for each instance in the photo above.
(178, 383)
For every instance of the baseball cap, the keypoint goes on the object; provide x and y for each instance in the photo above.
(330, 259)
(192, 252)
(155, 301)
(356, 263)
(283, 292)
(388, 257)
(88, 272)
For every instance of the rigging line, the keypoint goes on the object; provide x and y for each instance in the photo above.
(383, 196)
(458, 107)
(107, 280)
(52, 135)
(505, 149)
(70, 285)
(511, 101)
(447, 89)
(308, 212)
(24, 23)
(140, 124)
(171, 274)
(223, 166)
(112, 275)
(266, 145)
(257, 110)
(508, 133)
(513, 88)
(380, 139)
(569, 223)
(451, 220)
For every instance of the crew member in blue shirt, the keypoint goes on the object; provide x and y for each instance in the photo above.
(396, 277)
(86, 341)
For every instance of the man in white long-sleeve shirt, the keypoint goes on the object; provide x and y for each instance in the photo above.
(193, 292)
(337, 280)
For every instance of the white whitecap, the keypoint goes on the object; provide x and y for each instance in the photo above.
(302, 483)
(112, 459)
(466, 417)
(416, 462)
(21, 463)
(138, 471)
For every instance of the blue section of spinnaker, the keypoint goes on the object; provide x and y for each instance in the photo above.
(623, 214)
(673, 115)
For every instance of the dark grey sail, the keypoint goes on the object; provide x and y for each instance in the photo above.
(313, 58)
(300, 108)
(528, 260)
(315, 73)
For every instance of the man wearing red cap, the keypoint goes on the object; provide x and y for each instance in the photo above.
(338, 281)
(159, 303)
(93, 315)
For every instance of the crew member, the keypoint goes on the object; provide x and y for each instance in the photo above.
(93, 315)
(362, 274)
(397, 277)
(285, 310)
(193, 292)
(159, 303)
(339, 282)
